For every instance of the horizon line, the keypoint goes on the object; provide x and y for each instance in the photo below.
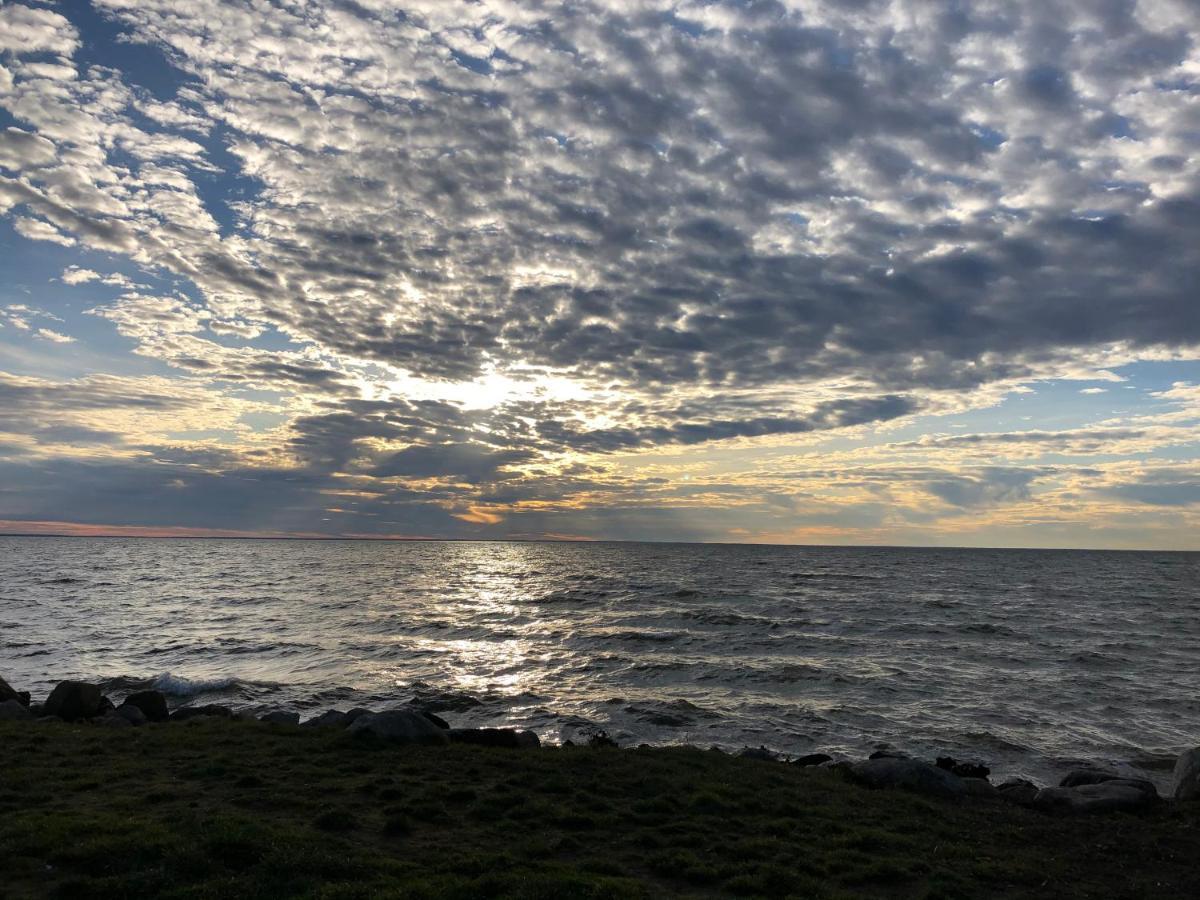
(397, 539)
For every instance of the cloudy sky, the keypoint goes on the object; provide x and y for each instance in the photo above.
(808, 271)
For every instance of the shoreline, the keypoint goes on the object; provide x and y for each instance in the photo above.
(216, 807)
(1022, 764)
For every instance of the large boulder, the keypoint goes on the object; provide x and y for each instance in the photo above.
(1017, 790)
(813, 759)
(1113, 795)
(75, 700)
(152, 703)
(909, 774)
(1186, 783)
(12, 710)
(399, 726)
(494, 737)
(7, 693)
(131, 714)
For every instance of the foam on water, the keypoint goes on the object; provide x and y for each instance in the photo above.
(1030, 661)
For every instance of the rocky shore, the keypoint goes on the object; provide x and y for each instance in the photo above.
(1089, 790)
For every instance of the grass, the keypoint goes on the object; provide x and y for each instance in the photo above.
(235, 809)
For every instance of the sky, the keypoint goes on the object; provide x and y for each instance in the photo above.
(913, 272)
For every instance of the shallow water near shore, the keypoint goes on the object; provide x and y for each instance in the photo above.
(1032, 661)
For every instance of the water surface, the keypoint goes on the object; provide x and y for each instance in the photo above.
(1029, 660)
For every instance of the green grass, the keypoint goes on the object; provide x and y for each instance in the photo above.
(231, 809)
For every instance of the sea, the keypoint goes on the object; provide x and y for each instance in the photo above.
(1030, 661)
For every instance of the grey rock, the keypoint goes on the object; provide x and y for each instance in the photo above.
(1186, 780)
(358, 712)
(399, 726)
(75, 700)
(494, 737)
(909, 774)
(281, 717)
(889, 754)
(813, 759)
(1090, 775)
(114, 721)
(434, 718)
(131, 714)
(7, 693)
(332, 719)
(152, 703)
(1124, 795)
(12, 711)
(1018, 790)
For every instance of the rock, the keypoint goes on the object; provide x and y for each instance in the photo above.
(152, 703)
(963, 769)
(132, 714)
(12, 710)
(978, 787)
(357, 713)
(75, 700)
(494, 737)
(1118, 794)
(281, 717)
(813, 759)
(399, 726)
(1018, 790)
(194, 712)
(434, 718)
(909, 774)
(760, 753)
(888, 754)
(7, 693)
(1091, 775)
(1186, 782)
(332, 719)
(114, 721)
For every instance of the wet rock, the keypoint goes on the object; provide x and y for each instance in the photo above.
(399, 726)
(75, 700)
(909, 774)
(963, 769)
(7, 693)
(12, 710)
(435, 719)
(132, 714)
(1017, 790)
(195, 712)
(281, 717)
(153, 705)
(1186, 780)
(114, 721)
(334, 718)
(761, 753)
(1090, 775)
(358, 712)
(1114, 795)
(888, 754)
(813, 759)
(495, 737)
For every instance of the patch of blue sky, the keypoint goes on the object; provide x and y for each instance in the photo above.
(103, 42)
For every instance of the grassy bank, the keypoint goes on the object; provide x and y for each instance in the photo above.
(231, 809)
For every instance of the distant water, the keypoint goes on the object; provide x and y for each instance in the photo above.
(1029, 660)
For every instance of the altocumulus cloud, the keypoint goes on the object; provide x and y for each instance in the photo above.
(631, 226)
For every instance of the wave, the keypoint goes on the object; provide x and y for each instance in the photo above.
(179, 686)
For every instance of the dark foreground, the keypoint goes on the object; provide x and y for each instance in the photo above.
(217, 808)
